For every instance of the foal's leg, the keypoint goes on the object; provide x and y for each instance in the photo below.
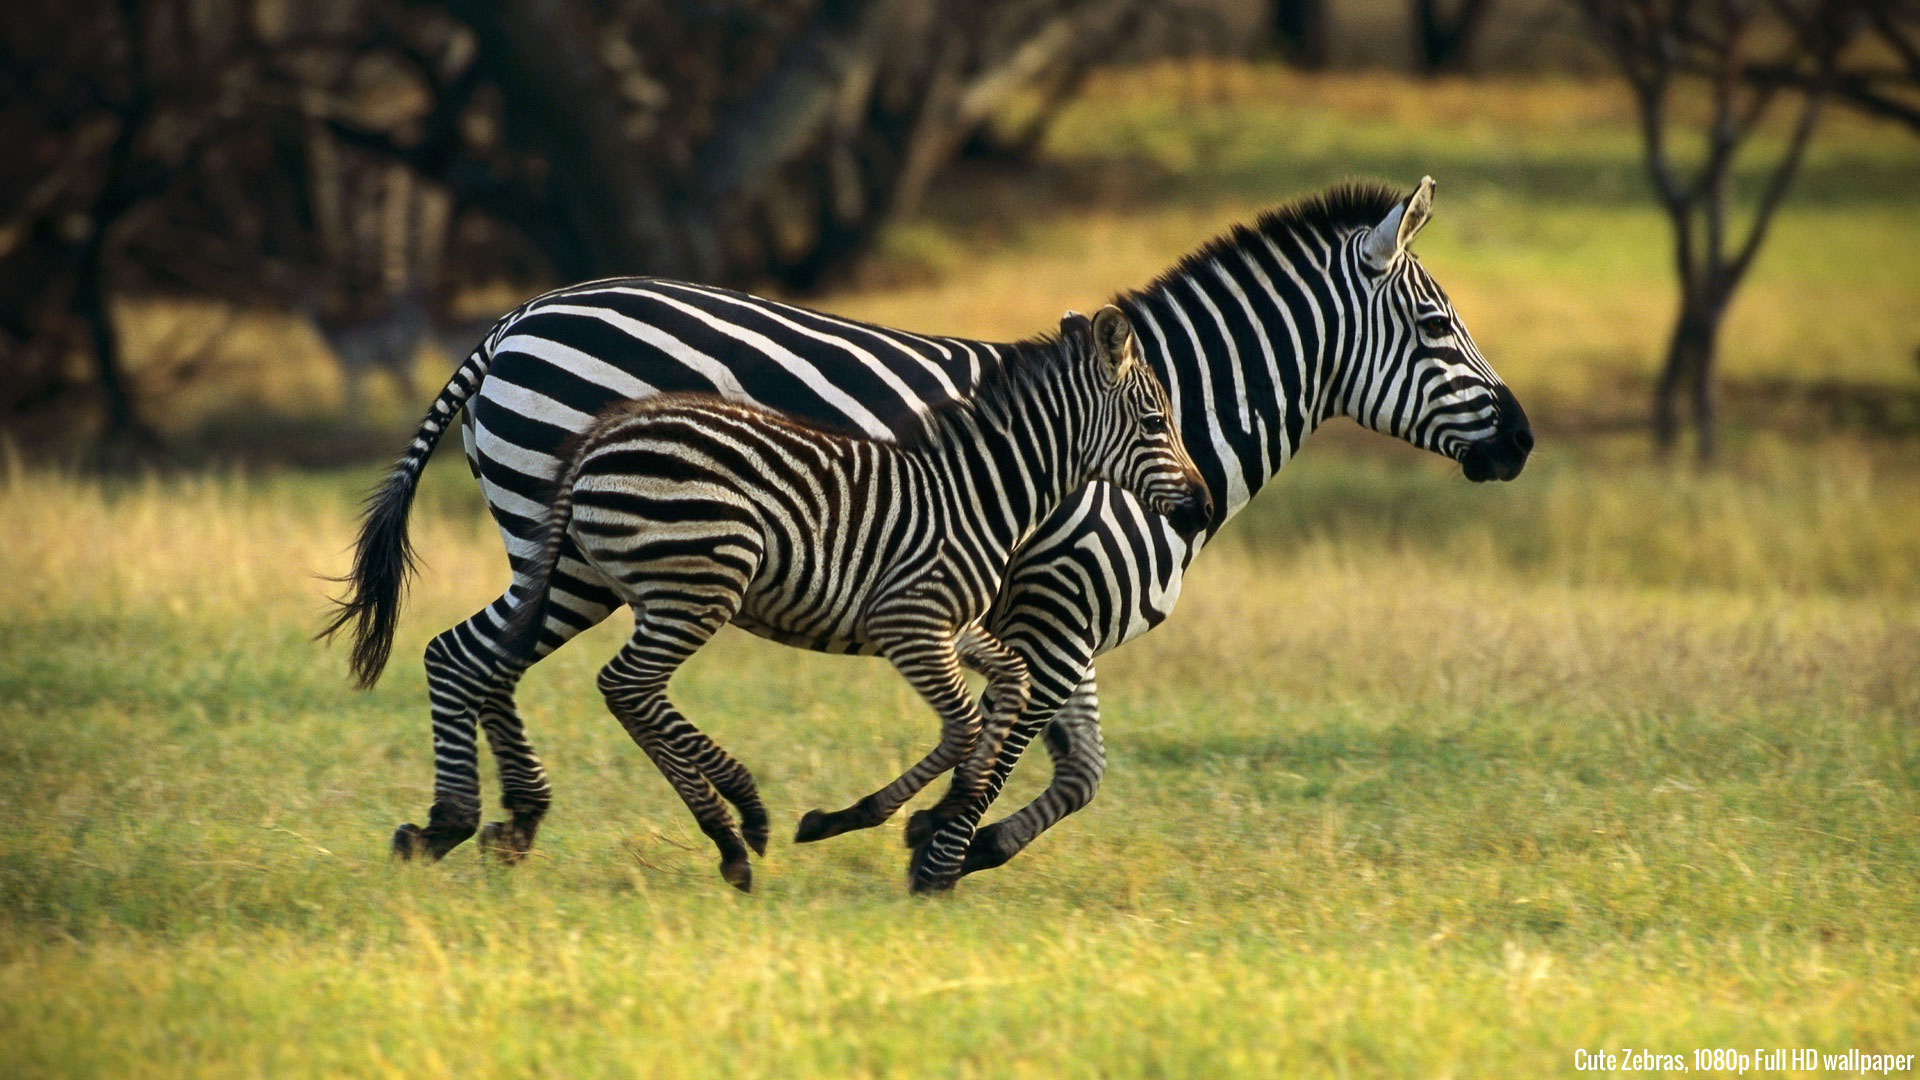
(1005, 696)
(667, 632)
(930, 662)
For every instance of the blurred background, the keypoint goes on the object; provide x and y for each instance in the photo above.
(1423, 778)
(266, 230)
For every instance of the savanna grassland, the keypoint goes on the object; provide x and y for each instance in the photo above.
(1422, 779)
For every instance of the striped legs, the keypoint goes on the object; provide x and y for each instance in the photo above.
(470, 685)
(931, 662)
(1062, 674)
(1006, 697)
(467, 683)
(1079, 760)
(634, 682)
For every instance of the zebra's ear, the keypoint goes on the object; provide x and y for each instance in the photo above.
(1113, 340)
(1396, 231)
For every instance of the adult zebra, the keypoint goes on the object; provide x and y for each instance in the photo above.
(1317, 309)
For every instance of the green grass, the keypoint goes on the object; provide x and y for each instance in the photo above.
(1423, 779)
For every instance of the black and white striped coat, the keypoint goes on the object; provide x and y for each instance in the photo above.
(700, 512)
(1316, 310)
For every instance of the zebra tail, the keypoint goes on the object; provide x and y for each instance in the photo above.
(522, 633)
(383, 558)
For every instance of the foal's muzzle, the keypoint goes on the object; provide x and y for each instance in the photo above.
(1192, 513)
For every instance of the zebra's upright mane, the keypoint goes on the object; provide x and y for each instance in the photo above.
(1324, 215)
(1024, 365)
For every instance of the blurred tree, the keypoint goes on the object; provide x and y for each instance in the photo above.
(352, 161)
(1443, 40)
(1881, 78)
(1672, 53)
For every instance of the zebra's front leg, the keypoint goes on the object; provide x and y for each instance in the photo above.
(950, 852)
(930, 662)
(1004, 700)
(1079, 761)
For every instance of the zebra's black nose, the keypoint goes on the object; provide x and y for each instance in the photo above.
(1191, 514)
(1503, 454)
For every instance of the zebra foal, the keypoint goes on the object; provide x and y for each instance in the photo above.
(703, 512)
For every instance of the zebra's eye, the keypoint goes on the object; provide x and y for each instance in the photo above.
(1435, 325)
(1154, 423)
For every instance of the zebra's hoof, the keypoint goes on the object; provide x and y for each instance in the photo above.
(739, 874)
(923, 880)
(921, 827)
(502, 841)
(986, 852)
(409, 842)
(814, 825)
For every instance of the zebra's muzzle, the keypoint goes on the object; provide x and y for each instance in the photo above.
(1502, 455)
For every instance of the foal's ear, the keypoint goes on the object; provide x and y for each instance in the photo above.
(1113, 340)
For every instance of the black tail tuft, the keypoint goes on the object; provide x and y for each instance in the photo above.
(383, 559)
(381, 565)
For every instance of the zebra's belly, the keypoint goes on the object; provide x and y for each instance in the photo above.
(837, 643)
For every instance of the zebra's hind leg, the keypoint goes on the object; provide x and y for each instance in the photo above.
(580, 601)
(928, 660)
(635, 685)
(464, 673)
(524, 792)
(1005, 699)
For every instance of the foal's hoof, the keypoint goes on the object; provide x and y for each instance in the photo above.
(409, 842)
(754, 828)
(739, 874)
(500, 840)
(814, 825)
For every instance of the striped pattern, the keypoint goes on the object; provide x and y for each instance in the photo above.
(699, 512)
(1316, 310)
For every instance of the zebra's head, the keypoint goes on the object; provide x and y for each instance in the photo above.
(1415, 373)
(1132, 441)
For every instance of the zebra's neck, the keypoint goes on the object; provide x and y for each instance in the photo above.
(1251, 337)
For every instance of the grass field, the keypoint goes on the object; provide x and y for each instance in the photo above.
(1423, 778)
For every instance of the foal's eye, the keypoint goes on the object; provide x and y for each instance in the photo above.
(1435, 325)
(1154, 423)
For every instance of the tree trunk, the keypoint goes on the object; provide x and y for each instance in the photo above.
(1706, 429)
(560, 99)
(1300, 30)
(1691, 353)
(1442, 45)
(125, 440)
